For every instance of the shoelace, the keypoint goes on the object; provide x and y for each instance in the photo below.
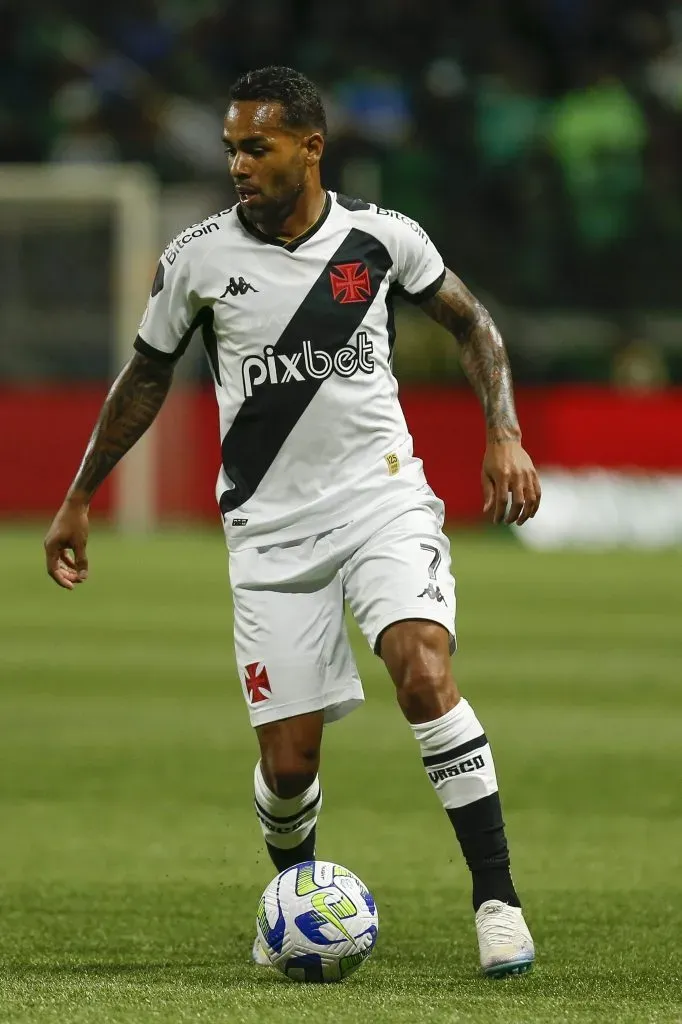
(499, 926)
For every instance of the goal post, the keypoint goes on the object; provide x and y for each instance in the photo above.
(131, 193)
(136, 250)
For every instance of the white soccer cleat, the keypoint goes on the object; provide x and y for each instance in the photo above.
(504, 941)
(258, 954)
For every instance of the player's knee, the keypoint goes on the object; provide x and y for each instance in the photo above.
(425, 687)
(425, 696)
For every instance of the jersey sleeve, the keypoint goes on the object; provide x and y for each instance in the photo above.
(168, 321)
(419, 267)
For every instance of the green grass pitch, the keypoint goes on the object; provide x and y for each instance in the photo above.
(131, 862)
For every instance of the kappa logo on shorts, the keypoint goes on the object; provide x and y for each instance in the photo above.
(433, 592)
(257, 682)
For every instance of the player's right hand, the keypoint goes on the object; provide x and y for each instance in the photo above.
(65, 545)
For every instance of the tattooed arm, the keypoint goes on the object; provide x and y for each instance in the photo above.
(130, 408)
(506, 466)
(482, 354)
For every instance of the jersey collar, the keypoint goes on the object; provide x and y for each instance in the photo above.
(293, 243)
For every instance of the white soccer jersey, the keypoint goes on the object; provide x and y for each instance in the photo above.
(299, 337)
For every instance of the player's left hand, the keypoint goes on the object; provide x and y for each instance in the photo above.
(507, 468)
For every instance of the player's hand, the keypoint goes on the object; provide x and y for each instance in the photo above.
(65, 545)
(507, 468)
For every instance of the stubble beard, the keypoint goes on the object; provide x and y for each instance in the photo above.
(273, 213)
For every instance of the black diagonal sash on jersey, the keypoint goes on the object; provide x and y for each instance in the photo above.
(267, 417)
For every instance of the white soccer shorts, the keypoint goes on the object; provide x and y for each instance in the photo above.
(292, 648)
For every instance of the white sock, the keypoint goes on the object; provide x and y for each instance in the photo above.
(286, 823)
(457, 756)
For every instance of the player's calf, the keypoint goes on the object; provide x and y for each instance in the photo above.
(288, 797)
(459, 763)
(455, 752)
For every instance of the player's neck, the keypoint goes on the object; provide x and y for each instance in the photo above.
(308, 210)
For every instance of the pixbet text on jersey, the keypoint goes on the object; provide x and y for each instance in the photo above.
(308, 364)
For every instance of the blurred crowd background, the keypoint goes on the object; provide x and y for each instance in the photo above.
(538, 141)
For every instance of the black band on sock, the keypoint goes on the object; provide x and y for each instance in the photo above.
(270, 819)
(446, 756)
(283, 859)
(480, 830)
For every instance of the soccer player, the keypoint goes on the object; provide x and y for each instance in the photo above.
(321, 496)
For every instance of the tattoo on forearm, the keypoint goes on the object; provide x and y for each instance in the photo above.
(130, 408)
(482, 353)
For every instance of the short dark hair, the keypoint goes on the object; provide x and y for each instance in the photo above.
(300, 99)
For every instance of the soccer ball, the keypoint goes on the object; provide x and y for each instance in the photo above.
(317, 922)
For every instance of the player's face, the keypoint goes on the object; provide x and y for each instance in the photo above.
(270, 164)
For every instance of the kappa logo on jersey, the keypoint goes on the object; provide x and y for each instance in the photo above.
(350, 282)
(240, 287)
(434, 592)
(308, 364)
(257, 683)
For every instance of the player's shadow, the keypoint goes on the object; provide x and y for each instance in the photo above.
(374, 980)
(380, 975)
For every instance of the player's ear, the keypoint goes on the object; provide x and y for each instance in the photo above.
(314, 145)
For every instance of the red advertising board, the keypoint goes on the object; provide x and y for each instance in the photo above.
(43, 432)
